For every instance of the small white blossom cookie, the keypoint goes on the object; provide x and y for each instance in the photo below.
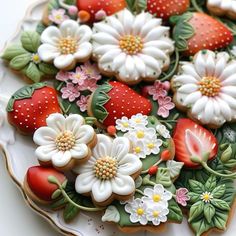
(110, 172)
(205, 88)
(222, 7)
(64, 142)
(66, 44)
(133, 48)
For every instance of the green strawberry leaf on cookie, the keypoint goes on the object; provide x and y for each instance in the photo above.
(30, 41)
(13, 51)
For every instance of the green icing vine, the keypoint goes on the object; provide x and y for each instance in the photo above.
(23, 93)
(24, 57)
(99, 99)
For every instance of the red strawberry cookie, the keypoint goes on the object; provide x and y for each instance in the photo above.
(29, 107)
(167, 8)
(114, 100)
(196, 31)
(37, 185)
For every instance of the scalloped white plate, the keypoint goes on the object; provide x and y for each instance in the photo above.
(15, 147)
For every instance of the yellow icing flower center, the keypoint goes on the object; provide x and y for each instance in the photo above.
(125, 124)
(131, 44)
(67, 45)
(150, 145)
(138, 121)
(156, 197)
(206, 197)
(105, 168)
(210, 86)
(140, 134)
(140, 211)
(65, 141)
(35, 58)
(155, 213)
(58, 17)
(137, 149)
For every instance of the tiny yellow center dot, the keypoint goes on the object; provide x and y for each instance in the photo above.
(156, 198)
(131, 44)
(137, 149)
(58, 17)
(210, 86)
(150, 145)
(65, 141)
(126, 124)
(35, 58)
(105, 168)
(138, 121)
(67, 45)
(206, 197)
(140, 134)
(155, 213)
(140, 211)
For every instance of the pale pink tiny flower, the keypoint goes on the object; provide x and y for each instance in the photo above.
(63, 76)
(157, 90)
(82, 103)
(91, 70)
(70, 92)
(100, 15)
(88, 84)
(57, 16)
(165, 105)
(78, 77)
(182, 196)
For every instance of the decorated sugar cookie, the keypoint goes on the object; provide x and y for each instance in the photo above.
(66, 45)
(110, 172)
(221, 8)
(113, 100)
(30, 106)
(64, 142)
(133, 48)
(135, 120)
(205, 88)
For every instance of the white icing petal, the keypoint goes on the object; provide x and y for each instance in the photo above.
(109, 56)
(48, 52)
(199, 105)
(84, 34)
(221, 62)
(79, 151)
(84, 182)
(129, 164)
(120, 148)
(56, 121)
(229, 70)
(61, 159)
(127, 19)
(209, 112)
(185, 79)
(231, 80)
(188, 88)
(119, 61)
(69, 28)
(192, 98)
(129, 65)
(230, 90)
(152, 23)
(225, 109)
(104, 38)
(200, 64)
(123, 185)
(63, 61)
(74, 122)
(45, 152)
(138, 23)
(210, 65)
(44, 136)
(155, 52)
(150, 62)
(51, 35)
(101, 190)
(85, 134)
(166, 45)
(114, 22)
(189, 69)
(104, 48)
(103, 147)
(107, 29)
(84, 51)
(139, 65)
(230, 100)
(156, 33)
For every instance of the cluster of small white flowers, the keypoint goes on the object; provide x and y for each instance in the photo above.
(152, 207)
(144, 139)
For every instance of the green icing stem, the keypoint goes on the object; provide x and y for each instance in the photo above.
(195, 5)
(52, 179)
(156, 164)
(231, 176)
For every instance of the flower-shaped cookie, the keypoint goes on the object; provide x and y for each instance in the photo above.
(206, 87)
(222, 7)
(133, 48)
(64, 142)
(109, 173)
(66, 45)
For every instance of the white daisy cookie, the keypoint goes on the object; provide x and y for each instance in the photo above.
(205, 88)
(133, 48)
(222, 7)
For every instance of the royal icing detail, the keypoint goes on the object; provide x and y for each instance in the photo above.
(63, 139)
(109, 170)
(205, 88)
(153, 206)
(222, 7)
(66, 45)
(132, 47)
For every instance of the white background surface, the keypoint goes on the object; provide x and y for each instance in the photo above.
(16, 218)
